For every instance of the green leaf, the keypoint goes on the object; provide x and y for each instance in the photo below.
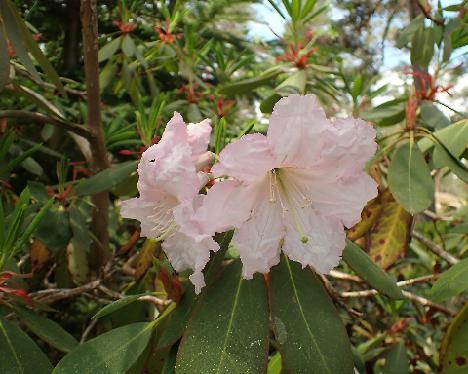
(114, 352)
(116, 305)
(452, 282)
(228, 332)
(34, 49)
(48, 330)
(275, 366)
(16, 39)
(109, 49)
(247, 85)
(306, 325)
(128, 46)
(409, 178)
(397, 361)
(443, 158)
(454, 350)
(177, 321)
(432, 116)
(106, 179)
(386, 114)
(19, 353)
(361, 263)
(295, 84)
(408, 32)
(81, 236)
(454, 137)
(266, 106)
(56, 220)
(357, 87)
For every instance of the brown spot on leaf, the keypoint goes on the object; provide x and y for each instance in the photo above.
(460, 360)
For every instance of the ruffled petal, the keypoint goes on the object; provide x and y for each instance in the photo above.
(245, 159)
(258, 239)
(199, 136)
(184, 253)
(314, 240)
(227, 205)
(296, 130)
(343, 198)
(167, 167)
(155, 217)
(347, 148)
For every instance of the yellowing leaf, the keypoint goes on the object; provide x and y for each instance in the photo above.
(145, 257)
(389, 235)
(368, 216)
(39, 254)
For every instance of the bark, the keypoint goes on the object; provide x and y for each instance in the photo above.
(100, 251)
(414, 11)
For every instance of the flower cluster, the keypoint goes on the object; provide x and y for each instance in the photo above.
(293, 190)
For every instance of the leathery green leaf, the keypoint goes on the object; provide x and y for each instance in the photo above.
(48, 330)
(361, 263)
(452, 282)
(454, 350)
(409, 179)
(228, 331)
(397, 361)
(19, 353)
(113, 352)
(307, 327)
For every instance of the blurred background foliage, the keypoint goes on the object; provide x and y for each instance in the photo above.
(400, 64)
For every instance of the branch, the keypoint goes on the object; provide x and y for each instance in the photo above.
(428, 16)
(100, 250)
(434, 248)
(55, 294)
(43, 118)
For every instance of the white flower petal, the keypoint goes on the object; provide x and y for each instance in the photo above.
(258, 239)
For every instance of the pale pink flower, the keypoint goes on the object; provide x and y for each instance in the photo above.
(168, 179)
(292, 190)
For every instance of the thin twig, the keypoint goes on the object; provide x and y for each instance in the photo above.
(88, 329)
(335, 295)
(428, 16)
(55, 294)
(43, 118)
(435, 248)
(155, 300)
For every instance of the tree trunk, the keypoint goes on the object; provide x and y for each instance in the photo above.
(100, 250)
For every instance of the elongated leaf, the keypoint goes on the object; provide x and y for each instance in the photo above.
(432, 116)
(128, 46)
(106, 179)
(247, 85)
(360, 262)
(397, 361)
(19, 353)
(409, 179)
(114, 352)
(116, 305)
(454, 137)
(454, 350)
(15, 37)
(34, 49)
(275, 366)
(311, 336)
(295, 84)
(389, 237)
(443, 158)
(177, 321)
(48, 330)
(452, 282)
(108, 50)
(228, 333)
(266, 106)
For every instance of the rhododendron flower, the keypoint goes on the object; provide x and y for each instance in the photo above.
(168, 178)
(293, 189)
